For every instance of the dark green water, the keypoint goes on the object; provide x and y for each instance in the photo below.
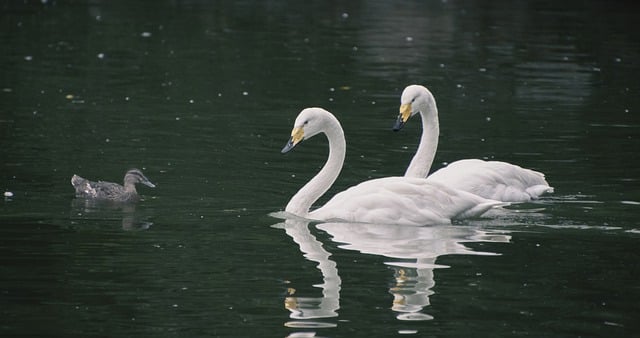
(202, 96)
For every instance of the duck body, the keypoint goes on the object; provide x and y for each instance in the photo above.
(109, 191)
(496, 180)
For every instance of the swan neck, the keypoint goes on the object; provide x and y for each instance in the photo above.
(423, 159)
(302, 201)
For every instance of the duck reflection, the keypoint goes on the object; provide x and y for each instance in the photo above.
(412, 253)
(84, 209)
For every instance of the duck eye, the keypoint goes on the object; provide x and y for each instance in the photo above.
(413, 100)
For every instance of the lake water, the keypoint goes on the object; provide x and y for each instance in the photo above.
(202, 96)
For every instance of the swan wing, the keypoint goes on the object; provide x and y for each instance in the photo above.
(493, 180)
(402, 200)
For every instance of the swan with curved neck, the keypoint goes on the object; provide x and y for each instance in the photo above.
(389, 200)
(309, 123)
(496, 180)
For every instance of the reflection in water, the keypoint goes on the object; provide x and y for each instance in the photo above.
(313, 307)
(81, 209)
(413, 250)
(411, 292)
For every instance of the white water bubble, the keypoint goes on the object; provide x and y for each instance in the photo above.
(407, 331)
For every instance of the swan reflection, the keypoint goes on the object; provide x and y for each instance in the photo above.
(412, 252)
(312, 307)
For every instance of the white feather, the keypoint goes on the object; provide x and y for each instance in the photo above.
(390, 200)
(496, 180)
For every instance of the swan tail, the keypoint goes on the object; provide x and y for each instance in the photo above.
(481, 208)
(538, 190)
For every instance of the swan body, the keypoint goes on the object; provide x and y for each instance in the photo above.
(402, 200)
(389, 200)
(495, 180)
(109, 191)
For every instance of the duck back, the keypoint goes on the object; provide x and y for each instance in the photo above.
(101, 190)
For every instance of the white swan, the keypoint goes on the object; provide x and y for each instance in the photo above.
(490, 179)
(390, 200)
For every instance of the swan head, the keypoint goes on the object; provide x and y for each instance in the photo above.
(415, 99)
(134, 176)
(310, 122)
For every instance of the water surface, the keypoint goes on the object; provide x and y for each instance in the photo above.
(202, 96)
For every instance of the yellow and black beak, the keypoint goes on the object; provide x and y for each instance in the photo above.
(297, 135)
(403, 117)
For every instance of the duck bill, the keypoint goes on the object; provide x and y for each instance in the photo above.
(149, 184)
(297, 135)
(403, 117)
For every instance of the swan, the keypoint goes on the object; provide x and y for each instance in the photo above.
(494, 180)
(389, 200)
(109, 191)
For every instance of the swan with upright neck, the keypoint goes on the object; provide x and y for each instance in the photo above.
(389, 200)
(495, 180)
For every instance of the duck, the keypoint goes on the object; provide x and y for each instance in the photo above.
(109, 191)
(387, 200)
(496, 180)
